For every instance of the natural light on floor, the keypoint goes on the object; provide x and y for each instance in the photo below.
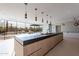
(7, 47)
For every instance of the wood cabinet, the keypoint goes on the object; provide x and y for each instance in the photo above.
(38, 48)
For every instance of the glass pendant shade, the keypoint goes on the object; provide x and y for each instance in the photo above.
(42, 20)
(35, 14)
(25, 10)
(25, 15)
(35, 18)
(36, 9)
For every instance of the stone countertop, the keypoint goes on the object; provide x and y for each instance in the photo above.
(25, 39)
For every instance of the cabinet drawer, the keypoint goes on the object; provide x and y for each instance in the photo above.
(39, 52)
(29, 49)
(43, 44)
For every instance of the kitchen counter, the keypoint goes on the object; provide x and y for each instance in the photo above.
(25, 39)
(36, 44)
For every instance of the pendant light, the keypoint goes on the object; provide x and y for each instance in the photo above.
(47, 20)
(50, 20)
(35, 14)
(25, 10)
(42, 16)
(42, 20)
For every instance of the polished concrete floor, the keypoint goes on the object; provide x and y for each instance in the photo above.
(68, 47)
(7, 47)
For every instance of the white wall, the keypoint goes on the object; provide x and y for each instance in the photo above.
(69, 27)
(71, 35)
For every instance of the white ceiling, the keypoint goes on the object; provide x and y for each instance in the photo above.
(60, 12)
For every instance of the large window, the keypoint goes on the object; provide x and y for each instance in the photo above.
(20, 27)
(2, 29)
(9, 28)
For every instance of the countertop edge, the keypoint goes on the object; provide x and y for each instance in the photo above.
(35, 39)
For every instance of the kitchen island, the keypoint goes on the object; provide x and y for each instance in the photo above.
(36, 44)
